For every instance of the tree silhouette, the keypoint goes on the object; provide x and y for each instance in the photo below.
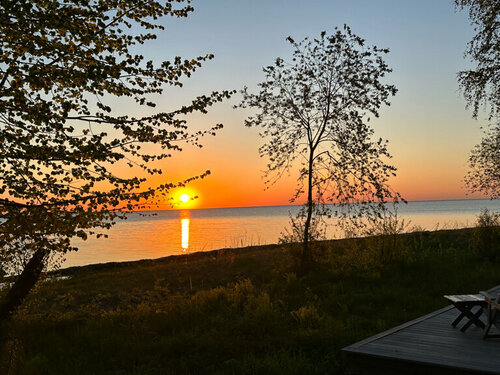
(484, 163)
(481, 87)
(314, 112)
(60, 142)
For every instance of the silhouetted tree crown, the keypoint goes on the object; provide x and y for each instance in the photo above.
(481, 85)
(62, 65)
(314, 112)
(484, 163)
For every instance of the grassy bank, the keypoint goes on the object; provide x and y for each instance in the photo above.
(241, 311)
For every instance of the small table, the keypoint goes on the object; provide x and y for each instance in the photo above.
(465, 303)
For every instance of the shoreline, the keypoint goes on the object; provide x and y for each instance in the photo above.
(164, 233)
(203, 255)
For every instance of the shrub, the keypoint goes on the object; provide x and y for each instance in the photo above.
(486, 237)
(307, 316)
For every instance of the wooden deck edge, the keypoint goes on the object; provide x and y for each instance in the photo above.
(495, 288)
(366, 363)
(354, 348)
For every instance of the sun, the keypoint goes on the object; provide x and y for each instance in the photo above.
(184, 198)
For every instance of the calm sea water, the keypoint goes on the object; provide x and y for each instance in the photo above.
(161, 233)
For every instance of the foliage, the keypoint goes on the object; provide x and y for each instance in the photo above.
(385, 230)
(482, 84)
(293, 235)
(314, 112)
(14, 260)
(61, 143)
(307, 316)
(486, 238)
(484, 164)
(380, 236)
(317, 228)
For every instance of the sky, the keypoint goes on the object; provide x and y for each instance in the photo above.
(429, 130)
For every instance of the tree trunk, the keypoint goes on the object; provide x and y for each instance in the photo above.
(22, 285)
(306, 261)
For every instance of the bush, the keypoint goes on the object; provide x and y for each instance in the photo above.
(486, 237)
(384, 232)
(307, 316)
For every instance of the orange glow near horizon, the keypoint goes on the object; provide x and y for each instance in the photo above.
(429, 129)
(184, 198)
(430, 166)
(230, 186)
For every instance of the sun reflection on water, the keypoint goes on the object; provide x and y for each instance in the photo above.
(185, 230)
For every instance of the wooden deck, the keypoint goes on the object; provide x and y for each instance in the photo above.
(427, 345)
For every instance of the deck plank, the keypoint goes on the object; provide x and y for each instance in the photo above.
(429, 343)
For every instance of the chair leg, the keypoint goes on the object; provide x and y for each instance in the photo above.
(486, 330)
(491, 318)
(458, 319)
(475, 320)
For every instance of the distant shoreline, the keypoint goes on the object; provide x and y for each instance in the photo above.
(300, 204)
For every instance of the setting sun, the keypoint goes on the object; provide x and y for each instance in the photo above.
(184, 198)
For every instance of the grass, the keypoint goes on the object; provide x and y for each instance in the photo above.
(241, 311)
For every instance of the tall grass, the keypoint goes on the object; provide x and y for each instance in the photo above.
(240, 311)
(487, 234)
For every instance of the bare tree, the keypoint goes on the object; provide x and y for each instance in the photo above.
(314, 112)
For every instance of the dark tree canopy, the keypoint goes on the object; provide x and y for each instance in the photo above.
(481, 85)
(61, 65)
(484, 163)
(314, 112)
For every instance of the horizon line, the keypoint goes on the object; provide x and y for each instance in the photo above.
(285, 205)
